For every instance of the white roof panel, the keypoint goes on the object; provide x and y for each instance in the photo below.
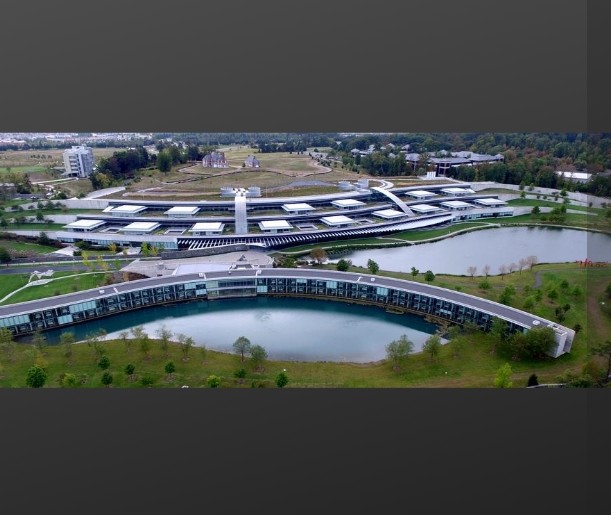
(141, 226)
(127, 209)
(207, 226)
(347, 202)
(389, 213)
(85, 224)
(424, 208)
(275, 224)
(182, 210)
(339, 219)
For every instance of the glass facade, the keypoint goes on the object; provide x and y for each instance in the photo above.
(349, 291)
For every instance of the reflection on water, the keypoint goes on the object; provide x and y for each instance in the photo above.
(493, 247)
(289, 329)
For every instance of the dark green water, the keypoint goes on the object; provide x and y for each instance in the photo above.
(289, 329)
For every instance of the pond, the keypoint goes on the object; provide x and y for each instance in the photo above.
(289, 329)
(493, 247)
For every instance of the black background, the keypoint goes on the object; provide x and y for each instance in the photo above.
(271, 66)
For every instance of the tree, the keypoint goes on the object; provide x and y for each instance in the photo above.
(242, 346)
(319, 255)
(107, 378)
(186, 343)
(397, 351)
(169, 367)
(512, 267)
(40, 217)
(472, 271)
(486, 270)
(507, 295)
(533, 380)
(5, 256)
(37, 376)
(39, 341)
(536, 210)
(281, 380)
(43, 239)
(124, 336)
(7, 343)
(432, 346)
(503, 271)
(164, 161)
(67, 339)
(604, 350)
(522, 263)
(129, 369)
(142, 338)
(536, 343)
(213, 381)
(429, 276)
(372, 266)
(503, 375)
(415, 272)
(258, 355)
(68, 380)
(343, 265)
(165, 335)
(531, 261)
(104, 362)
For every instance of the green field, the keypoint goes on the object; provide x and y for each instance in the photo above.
(473, 366)
(26, 248)
(82, 281)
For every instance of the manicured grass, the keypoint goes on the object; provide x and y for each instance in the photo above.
(19, 246)
(11, 282)
(546, 203)
(82, 281)
(474, 366)
(34, 226)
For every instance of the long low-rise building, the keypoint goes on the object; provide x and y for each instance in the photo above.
(396, 294)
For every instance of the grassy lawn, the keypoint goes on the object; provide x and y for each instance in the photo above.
(552, 204)
(79, 282)
(29, 248)
(34, 226)
(474, 366)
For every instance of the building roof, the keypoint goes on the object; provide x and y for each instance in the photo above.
(275, 224)
(182, 210)
(335, 220)
(458, 191)
(207, 226)
(85, 224)
(456, 203)
(490, 201)
(298, 207)
(126, 208)
(389, 213)
(141, 226)
(575, 175)
(347, 202)
(425, 208)
(421, 193)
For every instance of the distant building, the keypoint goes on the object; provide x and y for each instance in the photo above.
(251, 162)
(78, 161)
(215, 160)
(575, 176)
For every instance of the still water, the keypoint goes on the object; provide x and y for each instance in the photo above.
(289, 329)
(494, 247)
